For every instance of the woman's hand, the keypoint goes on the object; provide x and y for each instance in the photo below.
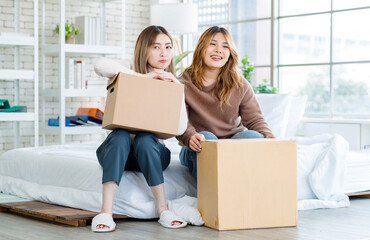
(195, 142)
(153, 75)
(162, 75)
(169, 77)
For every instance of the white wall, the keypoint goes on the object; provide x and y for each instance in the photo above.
(137, 18)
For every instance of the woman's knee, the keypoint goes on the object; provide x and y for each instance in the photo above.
(145, 140)
(248, 134)
(118, 139)
(119, 135)
(255, 134)
(208, 135)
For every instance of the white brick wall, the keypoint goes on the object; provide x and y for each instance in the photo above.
(137, 18)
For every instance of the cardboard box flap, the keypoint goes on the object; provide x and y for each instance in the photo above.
(112, 80)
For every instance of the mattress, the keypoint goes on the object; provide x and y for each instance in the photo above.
(70, 175)
(357, 177)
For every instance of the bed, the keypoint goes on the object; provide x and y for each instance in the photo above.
(70, 174)
(357, 177)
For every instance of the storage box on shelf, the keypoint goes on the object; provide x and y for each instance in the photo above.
(16, 39)
(64, 51)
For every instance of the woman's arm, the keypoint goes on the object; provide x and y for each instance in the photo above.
(251, 113)
(106, 67)
(188, 133)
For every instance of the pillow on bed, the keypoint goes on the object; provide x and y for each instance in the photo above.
(276, 111)
(297, 107)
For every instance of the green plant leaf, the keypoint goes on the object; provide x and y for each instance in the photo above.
(248, 72)
(180, 57)
(70, 29)
(177, 59)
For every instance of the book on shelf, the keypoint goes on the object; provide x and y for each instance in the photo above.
(75, 74)
(5, 107)
(72, 121)
(96, 113)
(97, 83)
(90, 30)
(82, 24)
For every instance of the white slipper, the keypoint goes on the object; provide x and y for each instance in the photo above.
(187, 211)
(191, 201)
(167, 218)
(103, 219)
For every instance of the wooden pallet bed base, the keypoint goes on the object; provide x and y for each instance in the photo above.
(49, 212)
(359, 194)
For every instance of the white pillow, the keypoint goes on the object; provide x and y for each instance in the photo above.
(297, 107)
(276, 111)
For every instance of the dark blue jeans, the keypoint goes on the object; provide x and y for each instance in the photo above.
(146, 154)
(188, 157)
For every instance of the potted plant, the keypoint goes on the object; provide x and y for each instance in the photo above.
(248, 72)
(247, 68)
(70, 32)
(178, 59)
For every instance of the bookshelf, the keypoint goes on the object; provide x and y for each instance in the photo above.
(17, 40)
(63, 51)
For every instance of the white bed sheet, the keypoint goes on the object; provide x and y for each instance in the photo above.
(70, 175)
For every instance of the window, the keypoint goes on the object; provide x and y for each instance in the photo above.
(249, 23)
(332, 55)
(322, 48)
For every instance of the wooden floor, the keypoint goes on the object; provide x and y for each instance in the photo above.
(352, 223)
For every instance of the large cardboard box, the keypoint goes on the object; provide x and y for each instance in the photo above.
(138, 103)
(247, 183)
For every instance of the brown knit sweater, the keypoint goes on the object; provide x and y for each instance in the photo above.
(205, 114)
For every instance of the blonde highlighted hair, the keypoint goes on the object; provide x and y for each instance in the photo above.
(230, 74)
(144, 43)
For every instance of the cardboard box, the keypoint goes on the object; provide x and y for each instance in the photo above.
(247, 183)
(138, 103)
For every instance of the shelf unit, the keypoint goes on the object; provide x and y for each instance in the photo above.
(16, 75)
(63, 50)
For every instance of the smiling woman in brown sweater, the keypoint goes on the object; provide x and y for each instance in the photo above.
(220, 102)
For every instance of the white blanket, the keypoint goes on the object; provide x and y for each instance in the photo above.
(321, 171)
(70, 175)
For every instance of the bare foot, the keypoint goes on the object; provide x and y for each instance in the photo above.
(176, 223)
(102, 226)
